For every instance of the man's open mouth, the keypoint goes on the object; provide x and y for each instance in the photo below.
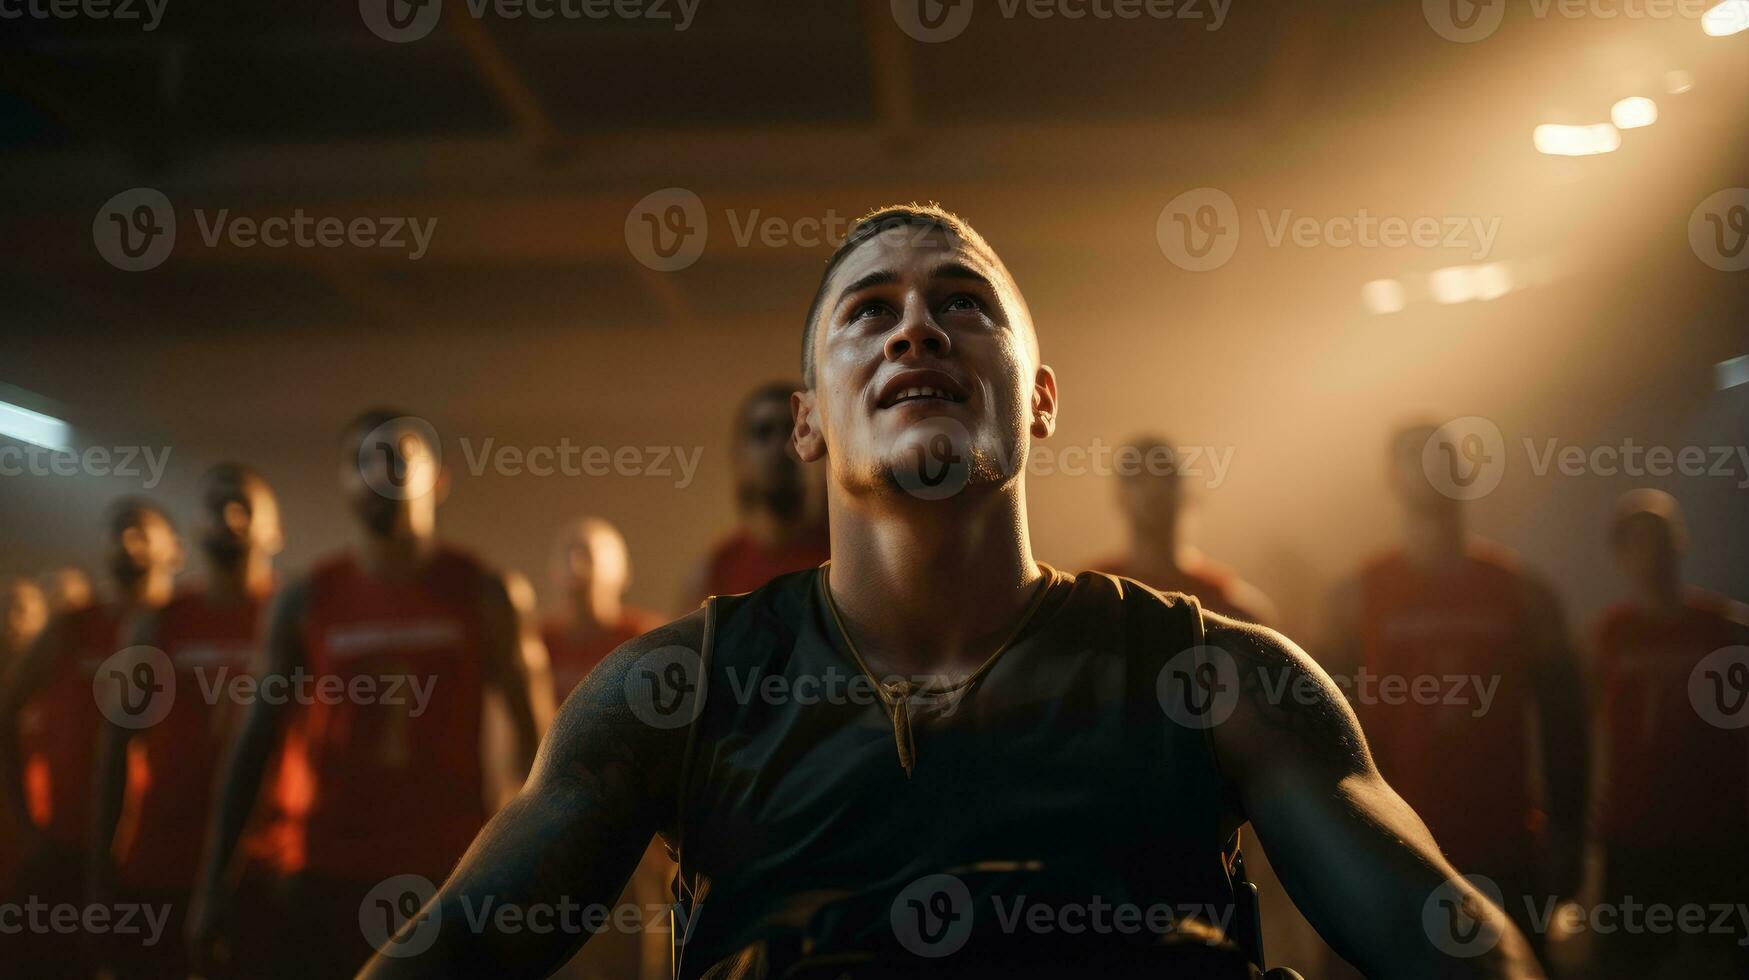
(921, 386)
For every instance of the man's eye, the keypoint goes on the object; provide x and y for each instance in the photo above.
(867, 310)
(962, 304)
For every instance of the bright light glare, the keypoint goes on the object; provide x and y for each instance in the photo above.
(1382, 296)
(1633, 113)
(1577, 141)
(34, 427)
(1733, 372)
(1451, 285)
(1491, 281)
(1464, 283)
(1726, 19)
(1677, 81)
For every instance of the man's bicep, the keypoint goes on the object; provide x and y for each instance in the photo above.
(1354, 857)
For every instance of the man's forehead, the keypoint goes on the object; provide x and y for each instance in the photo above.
(907, 248)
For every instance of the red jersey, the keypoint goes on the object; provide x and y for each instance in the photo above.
(382, 769)
(573, 657)
(171, 764)
(1211, 583)
(1462, 761)
(739, 564)
(59, 727)
(1671, 779)
(9, 836)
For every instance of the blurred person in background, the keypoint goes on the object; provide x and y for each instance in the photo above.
(50, 722)
(591, 570)
(1673, 813)
(1453, 655)
(1155, 499)
(26, 612)
(535, 661)
(161, 775)
(779, 501)
(388, 779)
(69, 589)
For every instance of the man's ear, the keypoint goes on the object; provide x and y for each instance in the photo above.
(1044, 402)
(806, 435)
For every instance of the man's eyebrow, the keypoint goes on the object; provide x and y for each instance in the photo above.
(959, 270)
(947, 270)
(872, 279)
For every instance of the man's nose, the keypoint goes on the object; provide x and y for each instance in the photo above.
(916, 335)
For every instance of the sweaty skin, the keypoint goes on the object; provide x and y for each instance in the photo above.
(924, 586)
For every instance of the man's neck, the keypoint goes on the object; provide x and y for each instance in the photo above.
(1157, 554)
(249, 578)
(1434, 538)
(931, 587)
(150, 591)
(395, 556)
(1662, 596)
(592, 615)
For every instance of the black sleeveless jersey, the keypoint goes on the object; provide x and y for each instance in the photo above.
(1052, 804)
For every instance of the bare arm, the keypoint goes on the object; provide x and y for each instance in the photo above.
(109, 781)
(16, 690)
(603, 785)
(1558, 685)
(527, 694)
(1353, 856)
(245, 765)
